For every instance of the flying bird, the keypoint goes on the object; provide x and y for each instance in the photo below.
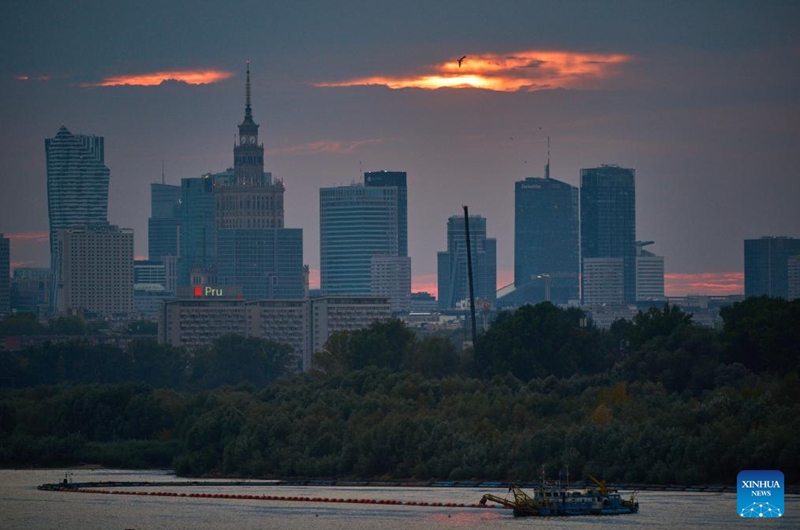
(460, 60)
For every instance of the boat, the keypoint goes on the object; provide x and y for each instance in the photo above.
(552, 500)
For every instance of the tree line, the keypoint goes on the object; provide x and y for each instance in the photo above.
(655, 399)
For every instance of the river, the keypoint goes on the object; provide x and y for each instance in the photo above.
(22, 506)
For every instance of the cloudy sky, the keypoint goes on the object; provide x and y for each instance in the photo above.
(702, 98)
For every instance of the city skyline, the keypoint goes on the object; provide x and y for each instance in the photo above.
(706, 114)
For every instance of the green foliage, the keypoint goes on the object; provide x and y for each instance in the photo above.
(21, 324)
(536, 341)
(387, 344)
(234, 359)
(676, 404)
(381, 344)
(763, 334)
(71, 325)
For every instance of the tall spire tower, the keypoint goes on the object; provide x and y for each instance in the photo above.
(248, 155)
(253, 249)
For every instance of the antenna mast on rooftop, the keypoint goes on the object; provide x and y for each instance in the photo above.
(547, 167)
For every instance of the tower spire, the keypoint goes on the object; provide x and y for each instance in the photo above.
(247, 90)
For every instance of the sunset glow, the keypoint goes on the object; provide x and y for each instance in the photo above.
(709, 283)
(523, 71)
(190, 77)
(323, 147)
(36, 237)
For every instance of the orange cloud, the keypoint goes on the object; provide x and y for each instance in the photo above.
(522, 71)
(323, 147)
(190, 77)
(709, 283)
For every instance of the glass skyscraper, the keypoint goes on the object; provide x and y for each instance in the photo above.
(356, 222)
(398, 180)
(164, 222)
(198, 232)
(77, 189)
(453, 278)
(608, 220)
(766, 265)
(546, 264)
(264, 262)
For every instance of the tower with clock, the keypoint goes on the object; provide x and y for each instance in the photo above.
(254, 251)
(248, 155)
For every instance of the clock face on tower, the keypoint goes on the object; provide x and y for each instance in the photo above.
(252, 139)
(242, 140)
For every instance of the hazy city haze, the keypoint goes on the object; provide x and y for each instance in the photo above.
(702, 99)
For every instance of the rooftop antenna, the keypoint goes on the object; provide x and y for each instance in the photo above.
(162, 172)
(547, 167)
(360, 170)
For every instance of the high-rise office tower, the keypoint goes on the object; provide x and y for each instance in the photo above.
(649, 273)
(395, 179)
(608, 221)
(356, 222)
(603, 281)
(30, 289)
(546, 261)
(5, 275)
(96, 270)
(198, 231)
(77, 189)
(390, 276)
(453, 279)
(793, 276)
(163, 226)
(254, 250)
(766, 265)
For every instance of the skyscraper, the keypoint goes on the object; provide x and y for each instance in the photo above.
(452, 263)
(649, 273)
(198, 231)
(96, 270)
(5, 275)
(254, 250)
(390, 276)
(546, 239)
(77, 188)
(608, 220)
(766, 265)
(163, 226)
(356, 222)
(396, 179)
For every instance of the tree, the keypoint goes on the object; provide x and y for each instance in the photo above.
(71, 325)
(656, 323)
(383, 344)
(537, 341)
(332, 360)
(234, 359)
(433, 357)
(763, 334)
(21, 324)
